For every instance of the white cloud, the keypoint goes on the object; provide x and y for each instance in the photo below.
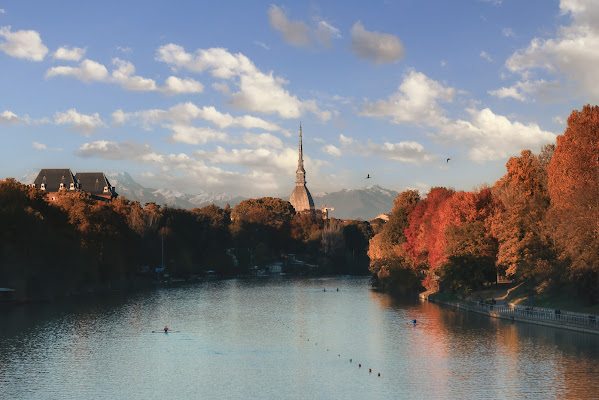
(85, 124)
(527, 90)
(123, 74)
(416, 101)
(487, 136)
(299, 33)
(486, 56)
(186, 169)
(2, 11)
(22, 44)
(332, 150)
(196, 135)
(375, 46)
(39, 146)
(493, 137)
(260, 158)
(409, 152)
(572, 55)
(345, 140)
(174, 85)
(262, 140)
(70, 54)
(184, 113)
(87, 71)
(9, 118)
(258, 91)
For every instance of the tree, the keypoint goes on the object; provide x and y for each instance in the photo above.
(525, 250)
(390, 262)
(573, 178)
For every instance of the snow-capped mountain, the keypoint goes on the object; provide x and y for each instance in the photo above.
(365, 203)
(127, 187)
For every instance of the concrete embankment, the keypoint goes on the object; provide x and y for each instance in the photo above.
(586, 324)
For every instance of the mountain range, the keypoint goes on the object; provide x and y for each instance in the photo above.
(365, 203)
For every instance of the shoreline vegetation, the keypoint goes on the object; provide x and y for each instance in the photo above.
(536, 227)
(76, 244)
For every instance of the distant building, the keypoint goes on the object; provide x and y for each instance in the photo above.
(301, 199)
(54, 180)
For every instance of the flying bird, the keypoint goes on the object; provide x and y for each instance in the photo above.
(448, 159)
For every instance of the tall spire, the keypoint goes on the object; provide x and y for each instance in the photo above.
(301, 199)
(301, 172)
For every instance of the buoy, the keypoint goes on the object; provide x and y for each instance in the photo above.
(350, 360)
(369, 369)
(359, 365)
(379, 374)
(165, 329)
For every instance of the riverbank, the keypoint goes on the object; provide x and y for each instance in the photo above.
(556, 318)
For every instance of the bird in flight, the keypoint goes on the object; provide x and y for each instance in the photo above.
(448, 159)
(368, 176)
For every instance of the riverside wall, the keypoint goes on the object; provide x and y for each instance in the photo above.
(586, 324)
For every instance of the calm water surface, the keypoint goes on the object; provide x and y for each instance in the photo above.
(284, 339)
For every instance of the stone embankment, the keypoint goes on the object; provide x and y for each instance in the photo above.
(540, 316)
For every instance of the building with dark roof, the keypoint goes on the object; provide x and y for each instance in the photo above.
(301, 199)
(54, 180)
(96, 184)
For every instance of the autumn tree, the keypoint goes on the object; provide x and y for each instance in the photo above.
(574, 191)
(390, 262)
(525, 250)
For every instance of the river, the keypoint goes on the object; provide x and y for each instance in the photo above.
(283, 338)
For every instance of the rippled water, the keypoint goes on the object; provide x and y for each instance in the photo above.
(283, 339)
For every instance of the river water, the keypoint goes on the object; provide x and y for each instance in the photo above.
(283, 339)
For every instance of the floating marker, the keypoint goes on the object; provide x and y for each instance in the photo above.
(350, 360)
(359, 365)
(379, 374)
(370, 370)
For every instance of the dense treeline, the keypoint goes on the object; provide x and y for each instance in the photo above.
(78, 244)
(539, 222)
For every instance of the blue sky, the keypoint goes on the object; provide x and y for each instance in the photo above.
(208, 96)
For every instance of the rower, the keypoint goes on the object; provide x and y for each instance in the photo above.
(166, 329)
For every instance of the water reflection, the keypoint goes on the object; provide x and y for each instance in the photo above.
(283, 339)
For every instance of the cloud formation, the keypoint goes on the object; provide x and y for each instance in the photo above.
(415, 101)
(69, 54)
(332, 150)
(299, 33)
(39, 146)
(374, 46)
(572, 55)
(180, 169)
(487, 136)
(123, 74)
(9, 118)
(258, 91)
(85, 124)
(22, 44)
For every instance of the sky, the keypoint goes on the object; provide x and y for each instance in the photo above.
(209, 96)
